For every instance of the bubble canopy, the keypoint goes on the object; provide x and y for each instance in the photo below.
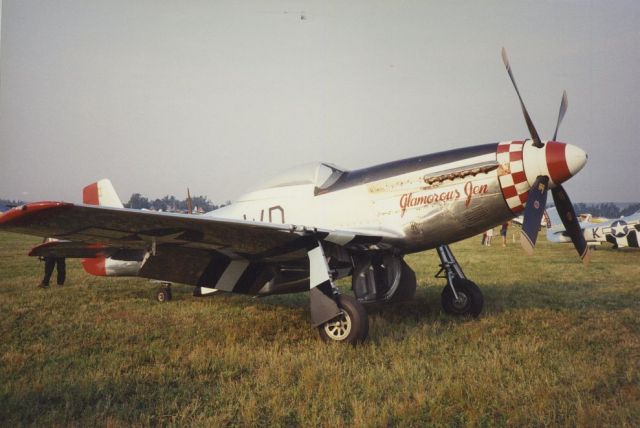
(319, 174)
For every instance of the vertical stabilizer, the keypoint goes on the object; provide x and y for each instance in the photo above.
(101, 193)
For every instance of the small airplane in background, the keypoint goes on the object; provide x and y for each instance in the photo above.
(544, 221)
(306, 228)
(589, 218)
(622, 232)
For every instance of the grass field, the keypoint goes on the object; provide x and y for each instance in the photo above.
(557, 344)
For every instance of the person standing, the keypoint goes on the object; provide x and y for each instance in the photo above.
(50, 263)
(503, 233)
(489, 237)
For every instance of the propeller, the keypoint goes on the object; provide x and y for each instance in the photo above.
(563, 109)
(532, 129)
(570, 221)
(533, 211)
(189, 203)
(537, 197)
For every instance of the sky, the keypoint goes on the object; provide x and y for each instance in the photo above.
(217, 96)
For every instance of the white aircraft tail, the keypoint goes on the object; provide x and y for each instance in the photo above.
(101, 193)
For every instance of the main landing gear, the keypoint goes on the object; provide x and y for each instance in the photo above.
(351, 326)
(460, 296)
(339, 318)
(342, 318)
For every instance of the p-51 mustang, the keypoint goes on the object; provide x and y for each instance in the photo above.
(622, 232)
(304, 229)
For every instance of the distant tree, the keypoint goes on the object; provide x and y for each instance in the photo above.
(158, 205)
(607, 209)
(167, 203)
(631, 209)
(581, 208)
(203, 202)
(170, 203)
(6, 204)
(11, 202)
(137, 201)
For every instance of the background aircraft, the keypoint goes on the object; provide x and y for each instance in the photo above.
(302, 230)
(622, 232)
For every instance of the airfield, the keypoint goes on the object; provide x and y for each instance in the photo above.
(557, 344)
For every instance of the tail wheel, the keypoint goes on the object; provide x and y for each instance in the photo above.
(469, 302)
(351, 326)
(163, 295)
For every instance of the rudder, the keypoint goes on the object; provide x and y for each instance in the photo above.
(101, 193)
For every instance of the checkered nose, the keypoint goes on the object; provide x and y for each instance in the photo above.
(521, 163)
(563, 160)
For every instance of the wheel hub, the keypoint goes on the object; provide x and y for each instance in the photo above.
(461, 302)
(339, 328)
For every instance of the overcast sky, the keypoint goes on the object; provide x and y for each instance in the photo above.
(217, 96)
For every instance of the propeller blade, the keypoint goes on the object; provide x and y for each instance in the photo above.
(533, 211)
(563, 109)
(532, 129)
(189, 203)
(570, 221)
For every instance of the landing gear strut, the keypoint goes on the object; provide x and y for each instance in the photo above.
(460, 296)
(339, 318)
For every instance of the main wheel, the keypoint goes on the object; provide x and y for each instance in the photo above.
(351, 326)
(470, 300)
(163, 295)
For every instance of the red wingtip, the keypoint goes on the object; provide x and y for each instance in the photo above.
(26, 210)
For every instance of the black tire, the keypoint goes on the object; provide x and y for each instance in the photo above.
(163, 295)
(352, 326)
(471, 299)
(407, 288)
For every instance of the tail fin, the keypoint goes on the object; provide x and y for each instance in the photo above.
(101, 193)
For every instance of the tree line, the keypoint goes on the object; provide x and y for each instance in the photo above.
(606, 209)
(10, 203)
(171, 203)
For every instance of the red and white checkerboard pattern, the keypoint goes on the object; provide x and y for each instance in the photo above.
(513, 181)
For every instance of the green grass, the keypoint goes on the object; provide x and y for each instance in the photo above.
(557, 344)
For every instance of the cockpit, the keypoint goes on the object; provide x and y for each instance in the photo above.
(321, 175)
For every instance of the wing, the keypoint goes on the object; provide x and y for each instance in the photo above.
(232, 255)
(126, 228)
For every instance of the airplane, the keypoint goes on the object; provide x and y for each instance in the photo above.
(622, 232)
(586, 217)
(301, 231)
